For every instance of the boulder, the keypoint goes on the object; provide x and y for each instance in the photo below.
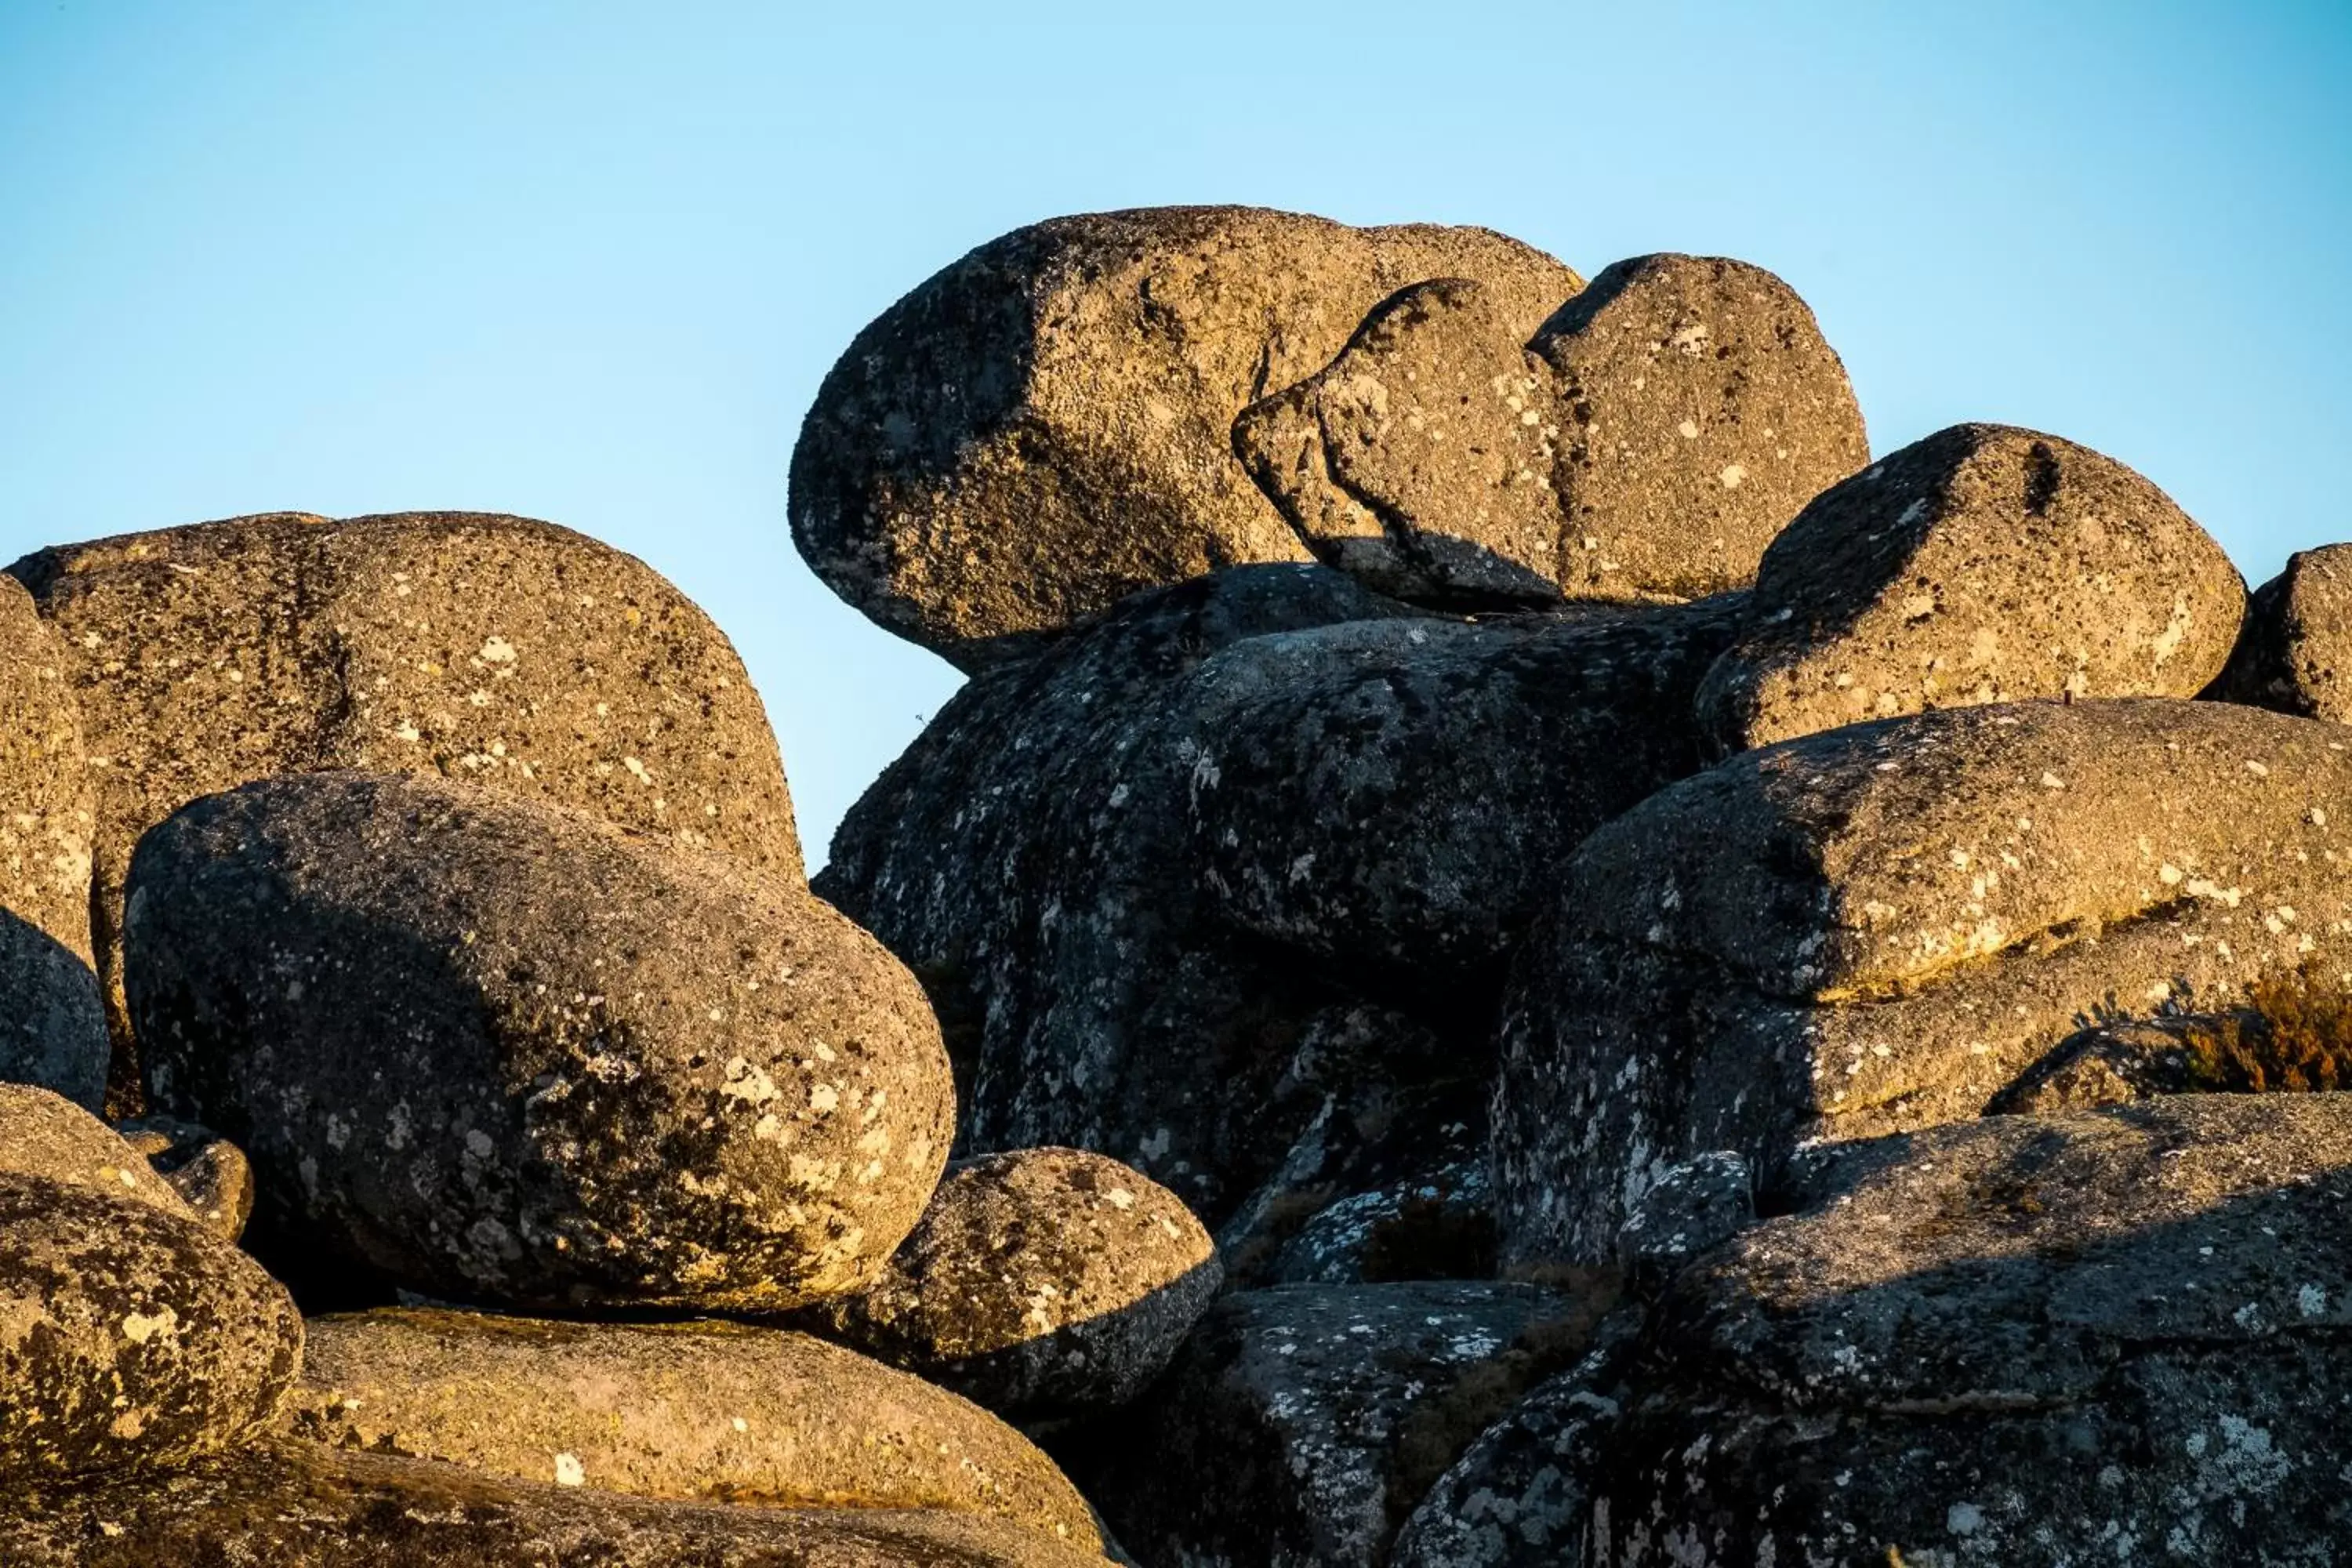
(44, 1134)
(1880, 927)
(1045, 427)
(1981, 564)
(1323, 1413)
(2288, 1037)
(2298, 626)
(1249, 845)
(495, 649)
(496, 1050)
(1703, 410)
(52, 1029)
(1040, 1283)
(293, 1504)
(210, 1173)
(1440, 1225)
(719, 1412)
(1419, 461)
(130, 1337)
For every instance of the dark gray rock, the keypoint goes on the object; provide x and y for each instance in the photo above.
(52, 1028)
(210, 1173)
(1041, 1283)
(499, 1051)
(44, 1134)
(1043, 427)
(1323, 1414)
(713, 1411)
(2292, 654)
(510, 653)
(293, 1504)
(1703, 410)
(1154, 877)
(130, 1337)
(1981, 564)
(1880, 927)
(1419, 461)
(1436, 1226)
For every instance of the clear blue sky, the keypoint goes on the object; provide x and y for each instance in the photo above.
(587, 262)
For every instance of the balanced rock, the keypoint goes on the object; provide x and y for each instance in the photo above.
(1045, 427)
(130, 1337)
(1879, 927)
(1039, 1283)
(1703, 410)
(1981, 564)
(499, 1051)
(510, 653)
(210, 1173)
(52, 1029)
(2296, 654)
(1322, 1413)
(44, 1134)
(293, 1504)
(709, 1410)
(1419, 461)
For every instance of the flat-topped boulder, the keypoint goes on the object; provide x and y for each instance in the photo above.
(1879, 927)
(496, 1050)
(502, 652)
(1045, 427)
(1984, 564)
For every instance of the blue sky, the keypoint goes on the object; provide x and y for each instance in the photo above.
(588, 262)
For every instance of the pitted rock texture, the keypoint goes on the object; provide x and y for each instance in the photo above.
(210, 1173)
(2296, 654)
(1984, 564)
(1323, 1413)
(501, 1052)
(1703, 410)
(1419, 461)
(1040, 1283)
(1045, 427)
(130, 1337)
(1879, 927)
(293, 1504)
(52, 1029)
(719, 1412)
(44, 1134)
(2113, 1337)
(1151, 877)
(495, 649)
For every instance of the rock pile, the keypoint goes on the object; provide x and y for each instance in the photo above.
(1525, 957)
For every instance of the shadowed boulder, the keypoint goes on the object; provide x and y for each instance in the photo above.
(210, 1173)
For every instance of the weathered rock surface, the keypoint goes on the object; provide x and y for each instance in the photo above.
(1323, 1414)
(299, 1505)
(1703, 410)
(1157, 878)
(52, 1030)
(715, 1411)
(512, 653)
(1039, 1283)
(44, 1134)
(1043, 427)
(1879, 927)
(502, 1052)
(2296, 653)
(1419, 461)
(130, 1336)
(1984, 563)
(210, 1173)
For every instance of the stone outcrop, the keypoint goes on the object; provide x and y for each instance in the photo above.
(712, 1411)
(2296, 654)
(499, 1051)
(44, 1134)
(52, 1029)
(506, 652)
(1981, 564)
(1044, 426)
(1879, 927)
(130, 1337)
(1040, 1283)
(210, 1173)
